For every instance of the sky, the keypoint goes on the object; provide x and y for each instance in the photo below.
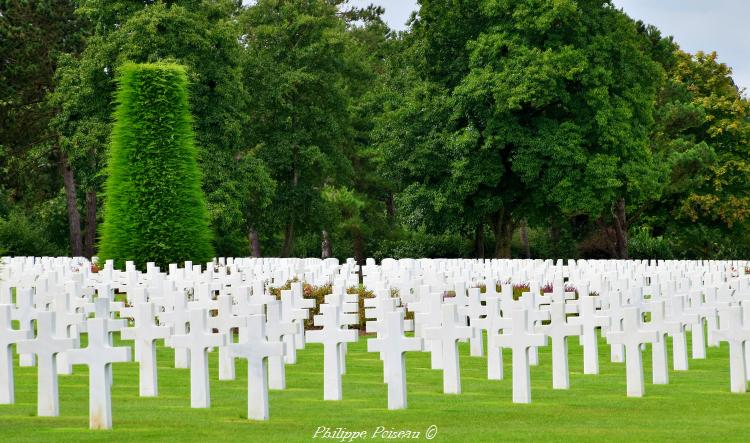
(696, 25)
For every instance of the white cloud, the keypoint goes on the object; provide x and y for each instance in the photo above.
(702, 25)
(697, 25)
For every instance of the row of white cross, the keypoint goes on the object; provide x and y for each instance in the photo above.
(195, 311)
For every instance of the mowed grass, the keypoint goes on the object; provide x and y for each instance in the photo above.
(695, 406)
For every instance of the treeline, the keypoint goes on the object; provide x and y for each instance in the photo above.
(532, 128)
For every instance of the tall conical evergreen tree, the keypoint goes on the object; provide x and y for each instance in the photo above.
(155, 209)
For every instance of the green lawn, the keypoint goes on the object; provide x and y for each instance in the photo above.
(695, 406)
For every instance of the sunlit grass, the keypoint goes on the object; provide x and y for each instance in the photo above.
(695, 406)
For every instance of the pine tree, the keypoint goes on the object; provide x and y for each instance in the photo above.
(155, 209)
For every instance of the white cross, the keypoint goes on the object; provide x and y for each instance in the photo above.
(296, 316)
(102, 310)
(392, 344)
(632, 337)
(520, 340)
(256, 348)
(676, 313)
(305, 304)
(559, 330)
(99, 355)
(736, 334)
(475, 311)
(6, 294)
(662, 327)
(46, 346)
(428, 315)
(145, 333)
(377, 309)
(536, 316)
(225, 322)
(745, 304)
(331, 336)
(615, 313)
(276, 330)
(493, 323)
(589, 321)
(66, 322)
(702, 313)
(447, 335)
(349, 304)
(25, 313)
(178, 317)
(8, 337)
(198, 341)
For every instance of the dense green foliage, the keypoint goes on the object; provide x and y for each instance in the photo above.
(155, 210)
(489, 128)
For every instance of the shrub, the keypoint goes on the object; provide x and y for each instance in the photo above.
(642, 245)
(419, 244)
(319, 294)
(22, 235)
(155, 209)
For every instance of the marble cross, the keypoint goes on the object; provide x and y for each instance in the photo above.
(476, 312)
(46, 346)
(331, 336)
(99, 355)
(701, 313)
(225, 322)
(102, 310)
(632, 336)
(178, 317)
(349, 304)
(8, 337)
(276, 330)
(745, 304)
(447, 335)
(736, 334)
(662, 327)
(25, 313)
(257, 349)
(520, 340)
(676, 313)
(392, 344)
(6, 293)
(615, 312)
(198, 341)
(494, 322)
(428, 315)
(589, 320)
(305, 304)
(292, 314)
(559, 330)
(145, 333)
(66, 321)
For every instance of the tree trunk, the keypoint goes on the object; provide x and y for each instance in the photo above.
(288, 247)
(91, 209)
(479, 241)
(254, 241)
(325, 246)
(621, 229)
(390, 207)
(524, 235)
(503, 229)
(554, 238)
(359, 254)
(74, 217)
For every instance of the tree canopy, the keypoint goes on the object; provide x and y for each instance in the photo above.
(488, 128)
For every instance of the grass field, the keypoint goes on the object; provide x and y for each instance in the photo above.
(695, 406)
